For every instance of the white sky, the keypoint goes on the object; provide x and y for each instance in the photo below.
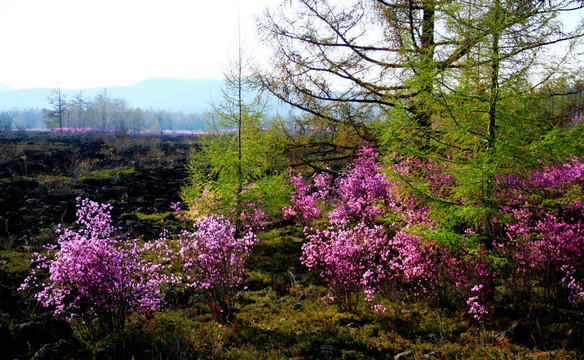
(94, 43)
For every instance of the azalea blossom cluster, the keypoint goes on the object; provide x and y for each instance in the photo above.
(212, 254)
(96, 274)
(210, 258)
(359, 191)
(382, 239)
(213, 260)
(356, 254)
(546, 237)
(99, 276)
(345, 258)
(303, 203)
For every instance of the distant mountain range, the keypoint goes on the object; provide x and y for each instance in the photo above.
(171, 94)
(5, 88)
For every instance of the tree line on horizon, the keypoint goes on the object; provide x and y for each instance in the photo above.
(103, 112)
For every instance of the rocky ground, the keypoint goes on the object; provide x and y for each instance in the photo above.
(41, 176)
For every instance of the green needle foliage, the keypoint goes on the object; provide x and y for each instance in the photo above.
(239, 165)
(501, 106)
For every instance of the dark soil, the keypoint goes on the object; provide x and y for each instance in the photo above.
(41, 175)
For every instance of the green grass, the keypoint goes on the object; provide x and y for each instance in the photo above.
(107, 173)
(41, 179)
(155, 217)
(297, 325)
(14, 265)
(163, 220)
(93, 175)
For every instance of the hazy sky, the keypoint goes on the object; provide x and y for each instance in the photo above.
(94, 43)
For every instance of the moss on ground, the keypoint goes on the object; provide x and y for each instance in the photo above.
(14, 265)
(107, 173)
(285, 315)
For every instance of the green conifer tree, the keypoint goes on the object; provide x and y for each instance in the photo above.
(239, 166)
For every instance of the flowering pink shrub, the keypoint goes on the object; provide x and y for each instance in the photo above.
(356, 193)
(95, 274)
(253, 216)
(210, 259)
(453, 265)
(476, 308)
(537, 241)
(346, 258)
(356, 255)
(345, 254)
(535, 244)
(84, 130)
(467, 274)
(545, 239)
(303, 202)
(406, 264)
(360, 191)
